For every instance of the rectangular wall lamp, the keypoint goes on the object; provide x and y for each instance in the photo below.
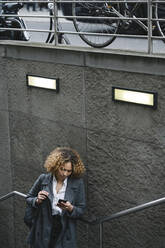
(42, 82)
(133, 96)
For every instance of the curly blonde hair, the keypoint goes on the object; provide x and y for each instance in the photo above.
(61, 155)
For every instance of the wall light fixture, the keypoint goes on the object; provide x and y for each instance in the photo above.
(43, 82)
(133, 96)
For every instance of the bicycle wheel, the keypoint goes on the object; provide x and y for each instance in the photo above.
(92, 24)
(160, 14)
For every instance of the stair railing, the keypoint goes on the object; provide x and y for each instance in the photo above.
(2, 198)
(101, 220)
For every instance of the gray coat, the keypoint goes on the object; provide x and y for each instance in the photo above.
(39, 236)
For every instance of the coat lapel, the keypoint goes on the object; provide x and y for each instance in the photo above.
(47, 185)
(69, 194)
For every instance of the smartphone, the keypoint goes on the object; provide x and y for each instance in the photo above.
(62, 201)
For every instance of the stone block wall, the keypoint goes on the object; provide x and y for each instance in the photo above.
(122, 145)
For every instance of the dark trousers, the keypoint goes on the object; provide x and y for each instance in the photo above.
(56, 230)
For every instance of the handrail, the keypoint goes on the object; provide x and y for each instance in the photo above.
(101, 220)
(127, 211)
(149, 23)
(2, 198)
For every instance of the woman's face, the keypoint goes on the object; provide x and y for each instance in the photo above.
(64, 171)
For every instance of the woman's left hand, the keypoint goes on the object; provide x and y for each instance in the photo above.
(65, 206)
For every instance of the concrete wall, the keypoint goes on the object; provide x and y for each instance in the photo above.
(6, 171)
(122, 145)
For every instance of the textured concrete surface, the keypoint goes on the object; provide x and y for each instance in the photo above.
(122, 145)
(6, 208)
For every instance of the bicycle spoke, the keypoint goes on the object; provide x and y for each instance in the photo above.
(92, 23)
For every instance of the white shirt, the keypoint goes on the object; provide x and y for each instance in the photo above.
(56, 196)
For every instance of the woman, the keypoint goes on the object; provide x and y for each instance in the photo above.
(55, 221)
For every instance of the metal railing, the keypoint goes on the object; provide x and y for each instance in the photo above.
(100, 221)
(13, 193)
(112, 19)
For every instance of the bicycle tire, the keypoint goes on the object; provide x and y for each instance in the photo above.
(95, 25)
(50, 27)
(18, 34)
(160, 14)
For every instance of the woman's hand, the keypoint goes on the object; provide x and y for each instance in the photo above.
(65, 206)
(42, 195)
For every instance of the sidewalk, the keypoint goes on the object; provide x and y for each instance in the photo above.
(28, 14)
(44, 12)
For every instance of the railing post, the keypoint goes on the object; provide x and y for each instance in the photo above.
(149, 11)
(55, 22)
(101, 234)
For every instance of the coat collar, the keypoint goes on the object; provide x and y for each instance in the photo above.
(69, 190)
(48, 186)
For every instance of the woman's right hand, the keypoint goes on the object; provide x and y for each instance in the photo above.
(42, 195)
